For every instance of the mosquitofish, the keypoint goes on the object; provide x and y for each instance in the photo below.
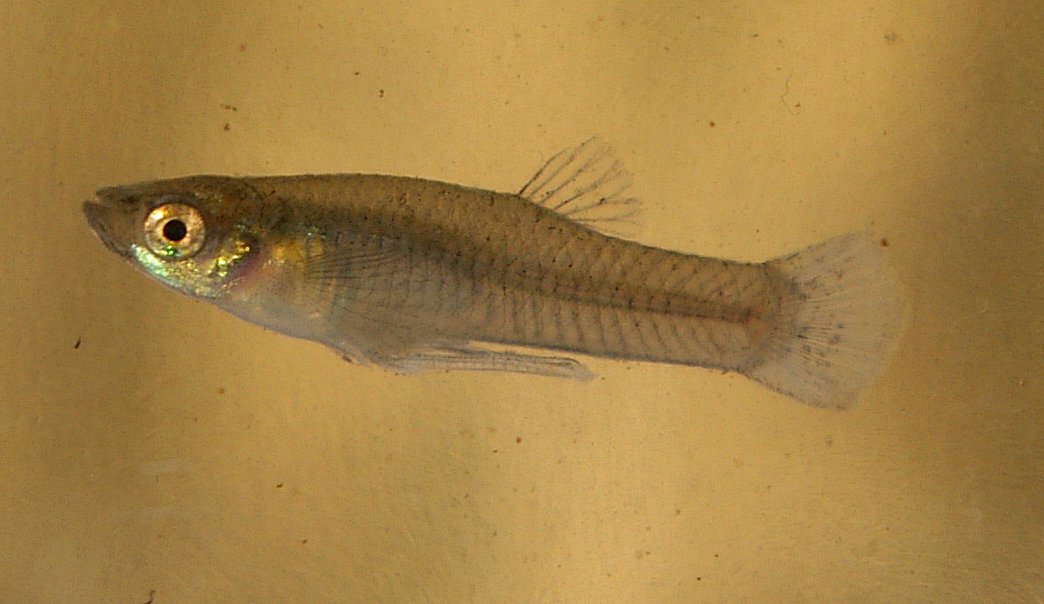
(411, 275)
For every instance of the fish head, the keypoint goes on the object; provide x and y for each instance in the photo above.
(195, 234)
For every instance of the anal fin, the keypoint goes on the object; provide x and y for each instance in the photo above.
(470, 358)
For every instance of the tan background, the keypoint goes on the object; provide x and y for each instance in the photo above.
(181, 453)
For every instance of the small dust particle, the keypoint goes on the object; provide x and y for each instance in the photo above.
(380, 93)
(77, 344)
(518, 439)
(279, 486)
(304, 541)
(711, 124)
(884, 242)
(227, 127)
(242, 47)
(228, 107)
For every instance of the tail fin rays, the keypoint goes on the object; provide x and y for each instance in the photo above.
(838, 327)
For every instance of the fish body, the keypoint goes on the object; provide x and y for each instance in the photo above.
(413, 274)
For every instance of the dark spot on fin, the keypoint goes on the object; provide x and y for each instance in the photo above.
(587, 184)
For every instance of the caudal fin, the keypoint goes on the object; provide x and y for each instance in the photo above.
(837, 328)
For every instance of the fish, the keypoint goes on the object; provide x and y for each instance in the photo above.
(414, 275)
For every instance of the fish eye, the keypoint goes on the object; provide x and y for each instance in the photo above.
(174, 230)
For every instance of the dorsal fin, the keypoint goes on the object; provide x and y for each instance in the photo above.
(587, 184)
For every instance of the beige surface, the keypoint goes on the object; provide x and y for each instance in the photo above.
(182, 453)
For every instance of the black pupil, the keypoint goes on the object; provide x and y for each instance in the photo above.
(174, 231)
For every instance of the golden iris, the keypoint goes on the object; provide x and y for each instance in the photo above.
(174, 231)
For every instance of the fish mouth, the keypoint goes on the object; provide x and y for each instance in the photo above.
(112, 219)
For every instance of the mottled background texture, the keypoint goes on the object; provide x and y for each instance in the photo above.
(155, 449)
